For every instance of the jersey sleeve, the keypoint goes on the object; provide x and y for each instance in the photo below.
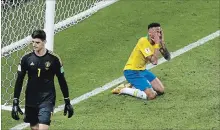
(58, 65)
(144, 47)
(59, 71)
(22, 68)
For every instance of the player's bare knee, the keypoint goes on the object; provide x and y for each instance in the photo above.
(34, 126)
(151, 94)
(161, 90)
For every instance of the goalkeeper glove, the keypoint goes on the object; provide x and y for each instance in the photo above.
(16, 109)
(68, 108)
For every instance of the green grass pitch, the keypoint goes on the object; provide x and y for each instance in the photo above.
(95, 51)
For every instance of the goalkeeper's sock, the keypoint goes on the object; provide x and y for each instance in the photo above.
(134, 92)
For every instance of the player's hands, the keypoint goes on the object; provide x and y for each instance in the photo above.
(16, 109)
(68, 108)
(163, 50)
(155, 38)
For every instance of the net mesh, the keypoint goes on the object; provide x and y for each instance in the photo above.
(19, 19)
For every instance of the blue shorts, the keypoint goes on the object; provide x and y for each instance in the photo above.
(140, 79)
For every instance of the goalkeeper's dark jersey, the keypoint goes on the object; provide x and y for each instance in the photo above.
(41, 71)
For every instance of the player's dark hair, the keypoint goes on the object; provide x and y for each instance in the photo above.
(39, 34)
(153, 25)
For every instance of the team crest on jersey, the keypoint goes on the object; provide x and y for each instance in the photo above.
(47, 65)
(147, 50)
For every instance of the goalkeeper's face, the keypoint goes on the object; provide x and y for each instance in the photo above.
(38, 44)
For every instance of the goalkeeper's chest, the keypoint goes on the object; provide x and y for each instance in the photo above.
(40, 65)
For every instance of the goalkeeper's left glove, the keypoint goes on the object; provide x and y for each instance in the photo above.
(16, 109)
(68, 108)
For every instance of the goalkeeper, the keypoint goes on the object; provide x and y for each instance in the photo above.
(143, 83)
(41, 65)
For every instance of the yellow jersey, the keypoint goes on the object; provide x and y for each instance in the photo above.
(137, 59)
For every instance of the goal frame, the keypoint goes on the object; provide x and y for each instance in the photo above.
(51, 29)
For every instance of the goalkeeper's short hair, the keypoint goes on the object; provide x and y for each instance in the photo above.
(39, 34)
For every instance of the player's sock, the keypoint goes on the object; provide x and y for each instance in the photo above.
(134, 92)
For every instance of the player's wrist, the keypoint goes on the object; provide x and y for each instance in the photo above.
(67, 100)
(15, 102)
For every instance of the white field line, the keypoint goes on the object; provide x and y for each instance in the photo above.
(121, 79)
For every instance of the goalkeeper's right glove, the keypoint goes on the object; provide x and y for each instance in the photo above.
(68, 107)
(16, 109)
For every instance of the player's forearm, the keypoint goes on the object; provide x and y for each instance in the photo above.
(154, 57)
(63, 85)
(165, 53)
(18, 85)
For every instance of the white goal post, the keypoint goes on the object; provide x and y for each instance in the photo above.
(20, 18)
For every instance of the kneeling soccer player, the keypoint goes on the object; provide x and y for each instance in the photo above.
(143, 83)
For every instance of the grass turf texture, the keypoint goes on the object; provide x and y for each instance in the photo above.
(94, 52)
(191, 101)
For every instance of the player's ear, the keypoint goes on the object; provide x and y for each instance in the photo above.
(150, 34)
(150, 31)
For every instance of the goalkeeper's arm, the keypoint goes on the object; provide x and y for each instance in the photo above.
(17, 90)
(61, 79)
(20, 77)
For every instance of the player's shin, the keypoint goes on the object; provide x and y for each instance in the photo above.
(134, 92)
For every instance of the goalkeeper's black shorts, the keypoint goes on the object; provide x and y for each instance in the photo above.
(39, 115)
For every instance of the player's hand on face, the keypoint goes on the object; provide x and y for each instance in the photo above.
(68, 108)
(155, 36)
(16, 109)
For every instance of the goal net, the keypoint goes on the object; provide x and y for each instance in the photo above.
(19, 18)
